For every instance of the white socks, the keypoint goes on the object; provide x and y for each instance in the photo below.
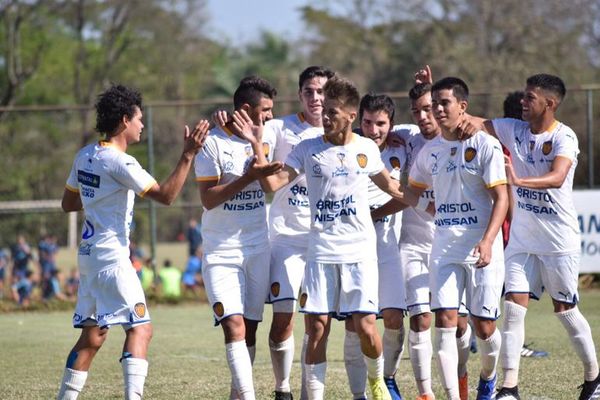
(513, 336)
(420, 351)
(393, 346)
(445, 347)
(315, 380)
(135, 371)
(72, 383)
(581, 337)
(282, 357)
(303, 390)
(463, 345)
(374, 367)
(489, 350)
(356, 369)
(240, 365)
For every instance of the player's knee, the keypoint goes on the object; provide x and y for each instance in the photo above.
(393, 318)
(559, 306)
(234, 328)
(484, 328)
(365, 326)
(420, 322)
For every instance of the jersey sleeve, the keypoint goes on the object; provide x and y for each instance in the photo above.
(567, 146)
(72, 180)
(296, 157)
(206, 164)
(492, 162)
(374, 163)
(419, 175)
(128, 171)
(505, 130)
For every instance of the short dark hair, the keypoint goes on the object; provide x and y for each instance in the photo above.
(459, 88)
(377, 102)
(113, 104)
(419, 90)
(314, 72)
(551, 83)
(342, 90)
(251, 90)
(512, 105)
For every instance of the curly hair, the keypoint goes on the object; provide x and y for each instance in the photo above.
(116, 102)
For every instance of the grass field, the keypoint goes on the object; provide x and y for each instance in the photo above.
(187, 357)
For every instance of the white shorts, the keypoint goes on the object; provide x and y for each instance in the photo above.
(415, 266)
(481, 287)
(237, 288)
(110, 297)
(340, 289)
(287, 271)
(530, 273)
(391, 285)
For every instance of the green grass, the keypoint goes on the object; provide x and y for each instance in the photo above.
(187, 357)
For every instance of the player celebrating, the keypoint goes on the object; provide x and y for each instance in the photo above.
(471, 202)
(544, 246)
(234, 229)
(103, 181)
(376, 116)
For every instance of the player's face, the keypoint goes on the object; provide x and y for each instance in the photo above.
(262, 112)
(134, 126)
(447, 109)
(422, 114)
(312, 96)
(336, 117)
(534, 103)
(376, 125)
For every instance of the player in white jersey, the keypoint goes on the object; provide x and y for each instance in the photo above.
(235, 269)
(289, 224)
(471, 202)
(544, 246)
(103, 182)
(415, 247)
(341, 275)
(376, 116)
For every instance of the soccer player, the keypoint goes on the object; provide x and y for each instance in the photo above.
(471, 202)
(103, 181)
(235, 264)
(341, 273)
(544, 246)
(376, 116)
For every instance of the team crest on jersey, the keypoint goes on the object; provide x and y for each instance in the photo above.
(362, 160)
(139, 310)
(341, 170)
(303, 299)
(547, 147)
(248, 150)
(470, 154)
(266, 149)
(218, 309)
(316, 170)
(453, 151)
(395, 162)
(275, 287)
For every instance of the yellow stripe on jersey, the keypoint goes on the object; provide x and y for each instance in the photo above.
(499, 182)
(207, 178)
(301, 116)
(71, 189)
(227, 130)
(104, 143)
(148, 187)
(553, 126)
(419, 185)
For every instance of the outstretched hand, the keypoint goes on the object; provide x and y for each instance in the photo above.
(256, 171)
(244, 127)
(194, 140)
(220, 118)
(424, 75)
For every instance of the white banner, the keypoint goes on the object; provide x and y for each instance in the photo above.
(587, 204)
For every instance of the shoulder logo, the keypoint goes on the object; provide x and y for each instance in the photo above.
(470, 154)
(395, 162)
(547, 147)
(362, 160)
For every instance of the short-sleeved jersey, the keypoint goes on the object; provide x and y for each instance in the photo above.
(417, 225)
(238, 226)
(289, 215)
(338, 180)
(107, 180)
(386, 228)
(544, 220)
(461, 174)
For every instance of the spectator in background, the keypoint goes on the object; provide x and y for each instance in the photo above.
(4, 259)
(146, 275)
(22, 288)
(72, 283)
(136, 255)
(47, 249)
(194, 236)
(21, 255)
(170, 280)
(192, 276)
(52, 287)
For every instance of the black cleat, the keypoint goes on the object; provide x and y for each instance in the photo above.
(508, 393)
(590, 390)
(283, 396)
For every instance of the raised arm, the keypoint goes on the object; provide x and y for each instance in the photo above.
(167, 192)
